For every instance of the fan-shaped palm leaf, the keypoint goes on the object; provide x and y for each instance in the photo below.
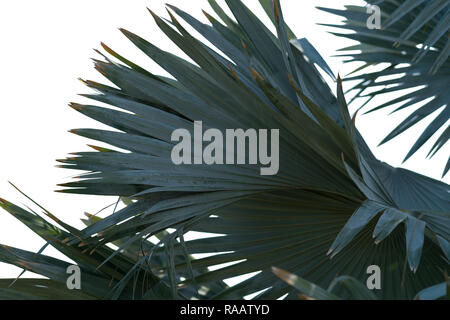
(414, 42)
(99, 280)
(330, 191)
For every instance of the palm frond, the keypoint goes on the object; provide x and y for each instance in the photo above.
(99, 279)
(328, 179)
(414, 42)
(352, 288)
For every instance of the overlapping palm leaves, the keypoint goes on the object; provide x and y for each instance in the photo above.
(354, 288)
(99, 280)
(330, 196)
(414, 41)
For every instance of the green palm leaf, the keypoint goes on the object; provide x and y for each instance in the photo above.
(328, 178)
(38, 289)
(354, 289)
(261, 219)
(100, 279)
(414, 41)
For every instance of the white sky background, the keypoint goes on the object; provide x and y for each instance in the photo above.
(47, 45)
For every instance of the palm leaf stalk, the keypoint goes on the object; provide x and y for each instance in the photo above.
(332, 209)
(414, 42)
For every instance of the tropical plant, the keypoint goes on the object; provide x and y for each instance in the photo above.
(355, 289)
(100, 279)
(414, 42)
(317, 217)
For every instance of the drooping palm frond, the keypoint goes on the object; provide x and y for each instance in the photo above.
(95, 282)
(354, 288)
(330, 191)
(414, 41)
(99, 280)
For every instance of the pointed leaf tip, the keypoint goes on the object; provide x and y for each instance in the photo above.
(383, 141)
(354, 117)
(74, 131)
(75, 106)
(408, 156)
(172, 17)
(207, 15)
(127, 33)
(88, 215)
(170, 6)
(155, 16)
(106, 48)
(82, 80)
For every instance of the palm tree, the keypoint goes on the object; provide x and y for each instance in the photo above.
(333, 209)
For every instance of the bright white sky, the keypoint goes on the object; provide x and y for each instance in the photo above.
(46, 46)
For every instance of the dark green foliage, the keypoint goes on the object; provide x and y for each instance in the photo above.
(330, 191)
(414, 41)
(354, 289)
